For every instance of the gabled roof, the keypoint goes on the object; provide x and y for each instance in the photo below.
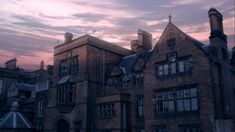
(14, 119)
(197, 43)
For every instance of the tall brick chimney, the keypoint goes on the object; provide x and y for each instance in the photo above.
(134, 45)
(144, 42)
(145, 39)
(218, 40)
(216, 24)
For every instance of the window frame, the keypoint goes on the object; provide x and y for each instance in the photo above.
(182, 65)
(66, 94)
(140, 106)
(106, 110)
(175, 100)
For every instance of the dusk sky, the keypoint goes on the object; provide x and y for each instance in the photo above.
(29, 29)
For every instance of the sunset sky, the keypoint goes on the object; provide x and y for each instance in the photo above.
(29, 29)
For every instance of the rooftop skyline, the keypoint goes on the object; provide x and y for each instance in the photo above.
(30, 29)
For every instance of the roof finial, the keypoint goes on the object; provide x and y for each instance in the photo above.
(169, 18)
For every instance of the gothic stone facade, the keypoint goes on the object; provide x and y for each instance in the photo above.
(181, 85)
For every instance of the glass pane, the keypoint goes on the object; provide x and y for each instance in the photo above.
(165, 106)
(193, 92)
(171, 95)
(159, 107)
(171, 106)
(159, 96)
(181, 66)
(187, 104)
(165, 95)
(180, 105)
(194, 104)
(160, 70)
(173, 68)
(186, 93)
(188, 64)
(180, 94)
(166, 69)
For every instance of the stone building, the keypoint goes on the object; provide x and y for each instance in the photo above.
(29, 88)
(181, 85)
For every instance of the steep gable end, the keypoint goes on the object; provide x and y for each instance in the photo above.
(173, 33)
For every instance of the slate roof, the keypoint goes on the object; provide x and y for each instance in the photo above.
(128, 62)
(14, 119)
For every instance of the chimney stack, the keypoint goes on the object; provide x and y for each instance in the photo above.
(134, 45)
(145, 39)
(68, 37)
(216, 24)
(42, 65)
